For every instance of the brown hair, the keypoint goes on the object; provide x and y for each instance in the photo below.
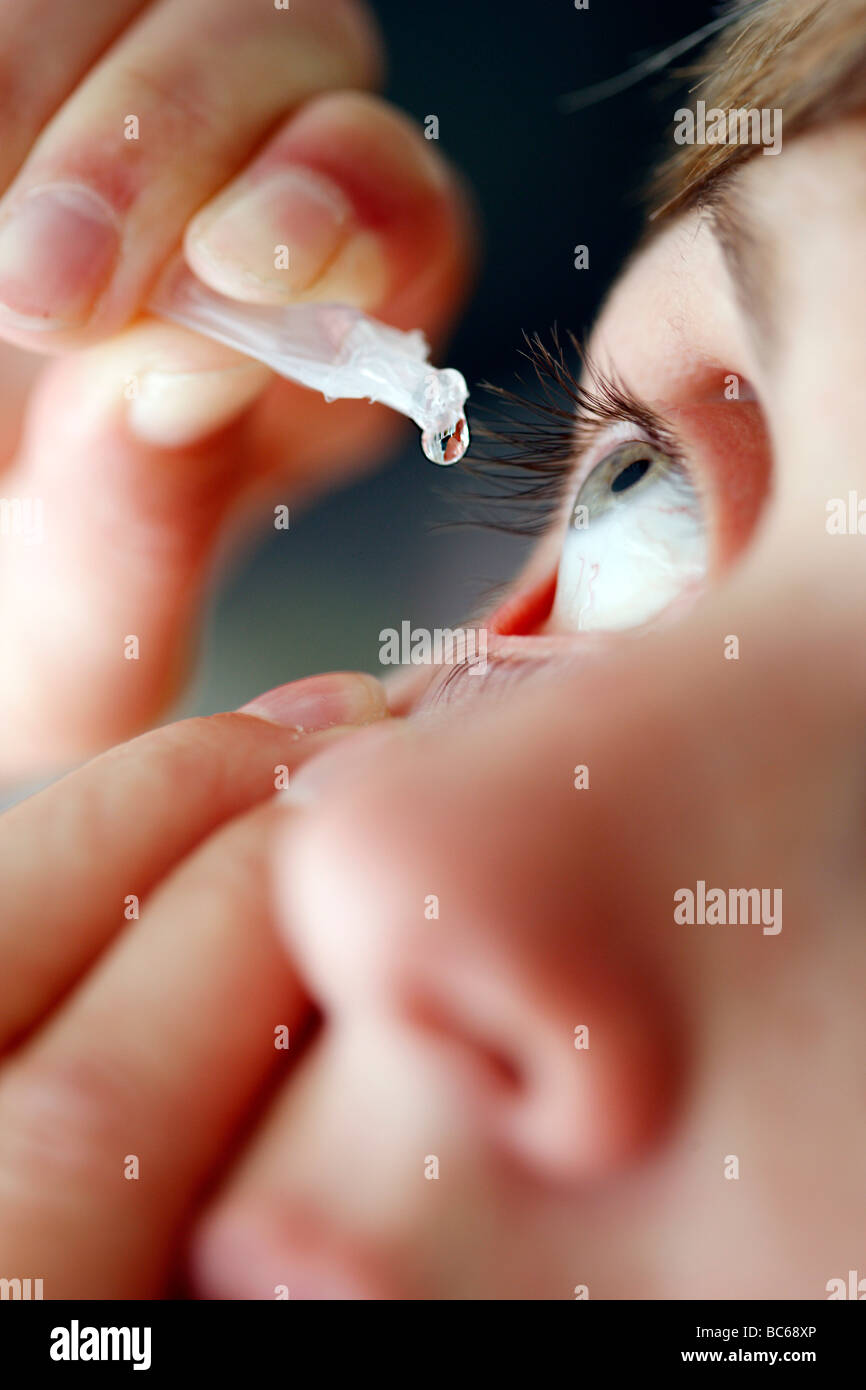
(805, 57)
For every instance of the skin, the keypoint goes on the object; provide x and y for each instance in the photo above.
(145, 1026)
(146, 443)
(453, 1036)
(556, 905)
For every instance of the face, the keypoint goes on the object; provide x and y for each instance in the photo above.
(565, 1047)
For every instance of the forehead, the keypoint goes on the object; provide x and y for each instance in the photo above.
(670, 316)
(708, 288)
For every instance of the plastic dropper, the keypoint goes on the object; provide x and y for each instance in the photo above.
(330, 348)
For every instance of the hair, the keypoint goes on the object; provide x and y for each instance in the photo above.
(804, 57)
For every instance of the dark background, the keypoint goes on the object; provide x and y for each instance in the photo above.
(316, 597)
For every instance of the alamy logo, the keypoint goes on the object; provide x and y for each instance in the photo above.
(738, 906)
(439, 646)
(22, 518)
(741, 126)
(23, 1289)
(846, 516)
(76, 1343)
(855, 1289)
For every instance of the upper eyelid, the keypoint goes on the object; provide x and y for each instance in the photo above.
(603, 400)
(532, 453)
(595, 451)
(602, 441)
(595, 442)
(629, 419)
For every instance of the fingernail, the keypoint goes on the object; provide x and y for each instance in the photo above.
(58, 246)
(355, 755)
(320, 702)
(178, 408)
(293, 236)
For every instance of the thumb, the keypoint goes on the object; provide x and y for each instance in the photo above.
(133, 455)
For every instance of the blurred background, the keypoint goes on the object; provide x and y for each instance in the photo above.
(315, 597)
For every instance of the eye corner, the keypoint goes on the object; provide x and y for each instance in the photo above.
(526, 611)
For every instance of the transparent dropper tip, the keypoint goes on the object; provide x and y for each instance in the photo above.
(330, 348)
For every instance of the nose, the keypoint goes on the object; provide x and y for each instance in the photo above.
(530, 930)
(567, 1064)
(470, 914)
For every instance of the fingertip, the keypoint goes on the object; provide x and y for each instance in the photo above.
(349, 203)
(322, 702)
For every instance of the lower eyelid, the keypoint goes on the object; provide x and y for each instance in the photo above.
(527, 609)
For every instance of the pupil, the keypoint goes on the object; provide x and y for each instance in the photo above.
(631, 474)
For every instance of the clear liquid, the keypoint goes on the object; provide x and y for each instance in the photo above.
(446, 446)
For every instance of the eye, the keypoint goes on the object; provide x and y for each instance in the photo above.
(636, 542)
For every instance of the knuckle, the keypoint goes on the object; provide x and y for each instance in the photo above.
(179, 98)
(58, 1121)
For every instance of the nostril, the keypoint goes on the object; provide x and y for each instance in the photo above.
(490, 1062)
(518, 1102)
(567, 1114)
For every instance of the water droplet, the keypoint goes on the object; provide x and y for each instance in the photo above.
(446, 446)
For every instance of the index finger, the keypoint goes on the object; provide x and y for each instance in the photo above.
(77, 860)
(171, 112)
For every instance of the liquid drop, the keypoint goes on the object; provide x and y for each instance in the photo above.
(446, 446)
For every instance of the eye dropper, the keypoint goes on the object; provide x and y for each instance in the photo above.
(330, 348)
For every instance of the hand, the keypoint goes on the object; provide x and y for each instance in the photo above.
(142, 985)
(221, 126)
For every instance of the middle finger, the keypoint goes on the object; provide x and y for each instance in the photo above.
(112, 1117)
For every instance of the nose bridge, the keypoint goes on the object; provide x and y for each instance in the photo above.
(815, 405)
(729, 746)
(810, 225)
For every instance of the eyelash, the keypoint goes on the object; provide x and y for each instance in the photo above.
(527, 462)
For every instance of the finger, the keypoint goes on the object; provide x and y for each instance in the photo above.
(154, 130)
(112, 1118)
(35, 79)
(18, 372)
(106, 582)
(77, 860)
(127, 550)
(130, 496)
(360, 204)
(46, 47)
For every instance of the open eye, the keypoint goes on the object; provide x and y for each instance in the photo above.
(636, 542)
